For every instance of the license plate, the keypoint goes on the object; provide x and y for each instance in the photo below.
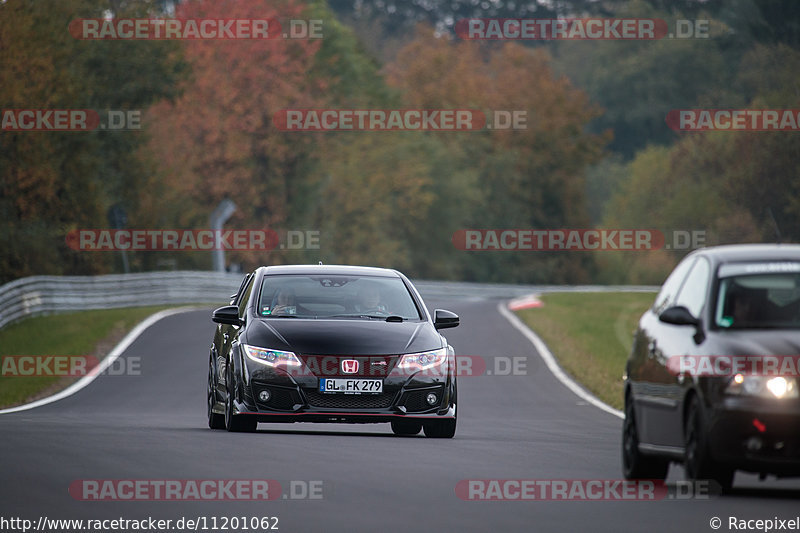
(351, 386)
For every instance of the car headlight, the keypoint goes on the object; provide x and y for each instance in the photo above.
(763, 386)
(423, 360)
(269, 357)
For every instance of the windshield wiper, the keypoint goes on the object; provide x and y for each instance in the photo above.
(371, 317)
(387, 318)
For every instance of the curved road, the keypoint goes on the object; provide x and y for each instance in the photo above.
(530, 426)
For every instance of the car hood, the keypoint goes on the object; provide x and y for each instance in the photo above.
(757, 342)
(343, 337)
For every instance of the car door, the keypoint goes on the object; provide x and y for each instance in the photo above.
(644, 368)
(227, 333)
(665, 423)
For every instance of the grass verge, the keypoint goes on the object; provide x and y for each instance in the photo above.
(590, 334)
(84, 333)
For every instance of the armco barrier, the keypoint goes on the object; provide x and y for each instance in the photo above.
(42, 295)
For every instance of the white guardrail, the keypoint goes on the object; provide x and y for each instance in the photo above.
(43, 295)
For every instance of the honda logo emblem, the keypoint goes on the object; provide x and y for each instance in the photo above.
(349, 366)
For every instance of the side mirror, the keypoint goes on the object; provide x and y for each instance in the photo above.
(443, 319)
(678, 315)
(228, 314)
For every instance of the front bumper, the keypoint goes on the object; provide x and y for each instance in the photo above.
(757, 435)
(295, 397)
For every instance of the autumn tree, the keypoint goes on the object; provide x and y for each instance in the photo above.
(53, 182)
(531, 177)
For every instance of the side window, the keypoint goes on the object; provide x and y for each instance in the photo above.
(669, 290)
(235, 300)
(245, 296)
(695, 288)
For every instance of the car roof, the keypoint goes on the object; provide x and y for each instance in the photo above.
(752, 252)
(334, 270)
(742, 253)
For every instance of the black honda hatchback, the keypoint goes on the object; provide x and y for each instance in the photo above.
(324, 343)
(712, 379)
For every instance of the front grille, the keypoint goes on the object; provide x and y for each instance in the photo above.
(415, 402)
(281, 398)
(330, 366)
(348, 401)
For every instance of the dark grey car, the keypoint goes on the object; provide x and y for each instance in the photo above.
(711, 380)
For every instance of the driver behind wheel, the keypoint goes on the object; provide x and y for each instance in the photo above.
(285, 303)
(369, 300)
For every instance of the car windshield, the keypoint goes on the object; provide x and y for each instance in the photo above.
(759, 301)
(328, 296)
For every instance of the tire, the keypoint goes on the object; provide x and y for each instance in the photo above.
(235, 422)
(636, 465)
(215, 420)
(440, 429)
(697, 456)
(406, 427)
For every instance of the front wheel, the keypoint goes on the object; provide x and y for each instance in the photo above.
(215, 420)
(635, 465)
(440, 429)
(406, 427)
(698, 461)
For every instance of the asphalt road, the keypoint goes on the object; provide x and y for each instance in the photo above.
(529, 426)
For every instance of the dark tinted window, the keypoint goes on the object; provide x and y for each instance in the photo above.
(671, 286)
(759, 301)
(693, 291)
(325, 296)
(238, 294)
(245, 296)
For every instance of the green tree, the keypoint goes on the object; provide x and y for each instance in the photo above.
(532, 177)
(53, 182)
